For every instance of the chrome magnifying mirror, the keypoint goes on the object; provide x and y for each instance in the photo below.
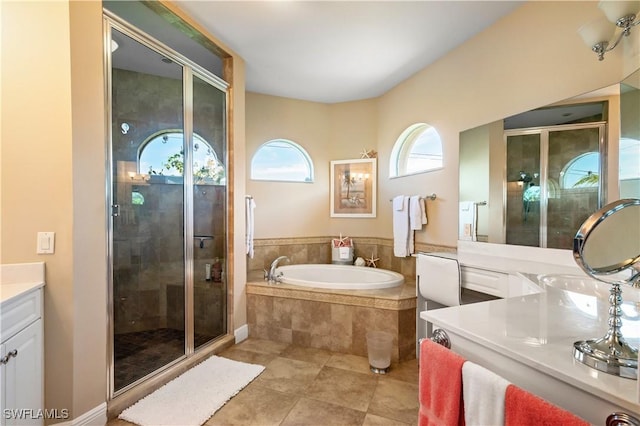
(607, 247)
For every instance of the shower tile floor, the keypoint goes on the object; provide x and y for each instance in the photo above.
(305, 386)
(140, 353)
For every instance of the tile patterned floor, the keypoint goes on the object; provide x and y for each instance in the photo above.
(140, 353)
(304, 386)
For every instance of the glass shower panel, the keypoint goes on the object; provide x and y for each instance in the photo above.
(523, 190)
(209, 212)
(573, 183)
(148, 201)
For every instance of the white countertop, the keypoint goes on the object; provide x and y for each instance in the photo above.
(512, 259)
(19, 278)
(539, 330)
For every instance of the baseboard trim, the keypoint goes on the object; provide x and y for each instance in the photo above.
(94, 417)
(241, 333)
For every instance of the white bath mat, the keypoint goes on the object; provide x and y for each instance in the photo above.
(194, 396)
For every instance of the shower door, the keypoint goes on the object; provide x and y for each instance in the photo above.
(555, 179)
(209, 212)
(168, 207)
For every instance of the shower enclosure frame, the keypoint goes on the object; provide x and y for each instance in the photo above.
(544, 132)
(189, 69)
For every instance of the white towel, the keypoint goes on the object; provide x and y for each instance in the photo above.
(423, 209)
(483, 394)
(250, 205)
(398, 203)
(467, 221)
(438, 279)
(415, 220)
(401, 226)
(415, 213)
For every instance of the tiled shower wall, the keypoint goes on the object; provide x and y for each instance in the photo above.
(148, 286)
(318, 250)
(148, 253)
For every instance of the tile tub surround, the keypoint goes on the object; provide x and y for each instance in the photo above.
(335, 320)
(318, 250)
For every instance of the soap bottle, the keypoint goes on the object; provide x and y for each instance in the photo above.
(207, 272)
(216, 270)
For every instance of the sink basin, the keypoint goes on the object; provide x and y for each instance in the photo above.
(583, 284)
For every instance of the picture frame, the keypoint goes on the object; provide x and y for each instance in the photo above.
(353, 188)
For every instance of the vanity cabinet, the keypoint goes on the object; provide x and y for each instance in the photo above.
(485, 281)
(21, 360)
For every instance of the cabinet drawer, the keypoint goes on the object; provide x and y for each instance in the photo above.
(489, 282)
(19, 313)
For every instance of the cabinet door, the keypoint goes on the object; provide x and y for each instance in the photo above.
(23, 377)
(484, 281)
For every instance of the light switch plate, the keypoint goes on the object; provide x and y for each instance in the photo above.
(46, 242)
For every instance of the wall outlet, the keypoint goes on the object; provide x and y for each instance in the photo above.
(46, 242)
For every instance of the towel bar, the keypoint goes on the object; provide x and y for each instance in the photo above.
(431, 197)
(622, 419)
(441, 337)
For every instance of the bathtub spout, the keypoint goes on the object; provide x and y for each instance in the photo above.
(272, 277)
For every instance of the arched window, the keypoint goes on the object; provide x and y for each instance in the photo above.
(281, 160)
(581, 172)
(417, 150)
(163, 154)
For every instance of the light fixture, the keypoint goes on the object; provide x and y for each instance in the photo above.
(599, 34)
(139, 177)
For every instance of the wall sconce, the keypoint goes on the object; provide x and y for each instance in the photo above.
(139, 177)
(351, 178)
(598, 35)
(526, 177)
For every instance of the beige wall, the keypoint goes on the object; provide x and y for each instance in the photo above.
(89, 214)
(531, 58)
(326, 132)
(475, 170)
(53, 179)
(285, 209)
(37, 170)
(52, 161)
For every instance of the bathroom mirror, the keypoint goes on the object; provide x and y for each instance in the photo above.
(607, 247)
(608, 243)
(541, 202)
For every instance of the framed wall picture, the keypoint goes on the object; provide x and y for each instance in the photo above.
(353, 188)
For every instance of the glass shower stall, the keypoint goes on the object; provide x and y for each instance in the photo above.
(167, 194)
(555, 178)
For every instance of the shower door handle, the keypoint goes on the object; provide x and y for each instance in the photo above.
(115, 210)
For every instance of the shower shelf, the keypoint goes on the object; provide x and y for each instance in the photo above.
(202, 239)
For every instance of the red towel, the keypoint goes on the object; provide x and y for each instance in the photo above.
(525, 409)
(440, 387)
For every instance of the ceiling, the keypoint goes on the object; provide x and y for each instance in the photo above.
(338, 51)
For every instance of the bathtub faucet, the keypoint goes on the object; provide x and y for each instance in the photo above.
(271, 276)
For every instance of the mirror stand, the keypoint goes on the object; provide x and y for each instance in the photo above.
(606, 244)
(611, 353)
